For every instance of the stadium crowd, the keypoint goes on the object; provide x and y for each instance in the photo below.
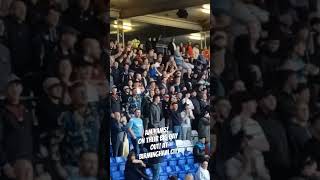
(154, 87)
(53, 89)
(265, 90)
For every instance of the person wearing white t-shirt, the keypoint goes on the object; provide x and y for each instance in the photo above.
(203, 173)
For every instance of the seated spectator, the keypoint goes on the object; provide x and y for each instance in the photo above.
(80, 126)
(134, 168)
(16, 124)
(88, 166)
(203, 173)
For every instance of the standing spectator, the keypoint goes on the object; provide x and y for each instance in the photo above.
(115, 100)
(5, 60)
(65, 49)
(243, 121)
(19, 39)
(176, 120)
(285, 98)
(83, 17)
(136, 131)
(221, 134)
(172, 46)
(117, 134)
(278, 158)
(187, 117)
(134, 101)
(147, 103)
(299, 132)
(155, 113)
(16, 131)
(81, 128)
(246, 163)
(204, 125)
(312, 146)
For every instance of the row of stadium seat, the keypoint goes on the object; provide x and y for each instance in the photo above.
(179, 171)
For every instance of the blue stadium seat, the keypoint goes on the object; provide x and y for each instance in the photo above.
(163, 178)
(178, 155)
(164, 164)
(113, 167)
(120, 159)
(190, 161)
(149, 172)
(122, 166)
(192, 171)
(112, 160)
(168, 169)
(169, 157)
(172, 163)
(116, 175)
(162, 172)
(182, 162)
(179, 169)
(188, 153)
(182, 175)
(186, 167)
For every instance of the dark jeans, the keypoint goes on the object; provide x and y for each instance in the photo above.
(155, 171)
(178, 129)
(117, 147)
(137, 147)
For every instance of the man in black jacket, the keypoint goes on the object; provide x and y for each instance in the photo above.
(176, 119)
(16, 125)
(278, 158)
(117, 134)
(155, 113)
(19, 39)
